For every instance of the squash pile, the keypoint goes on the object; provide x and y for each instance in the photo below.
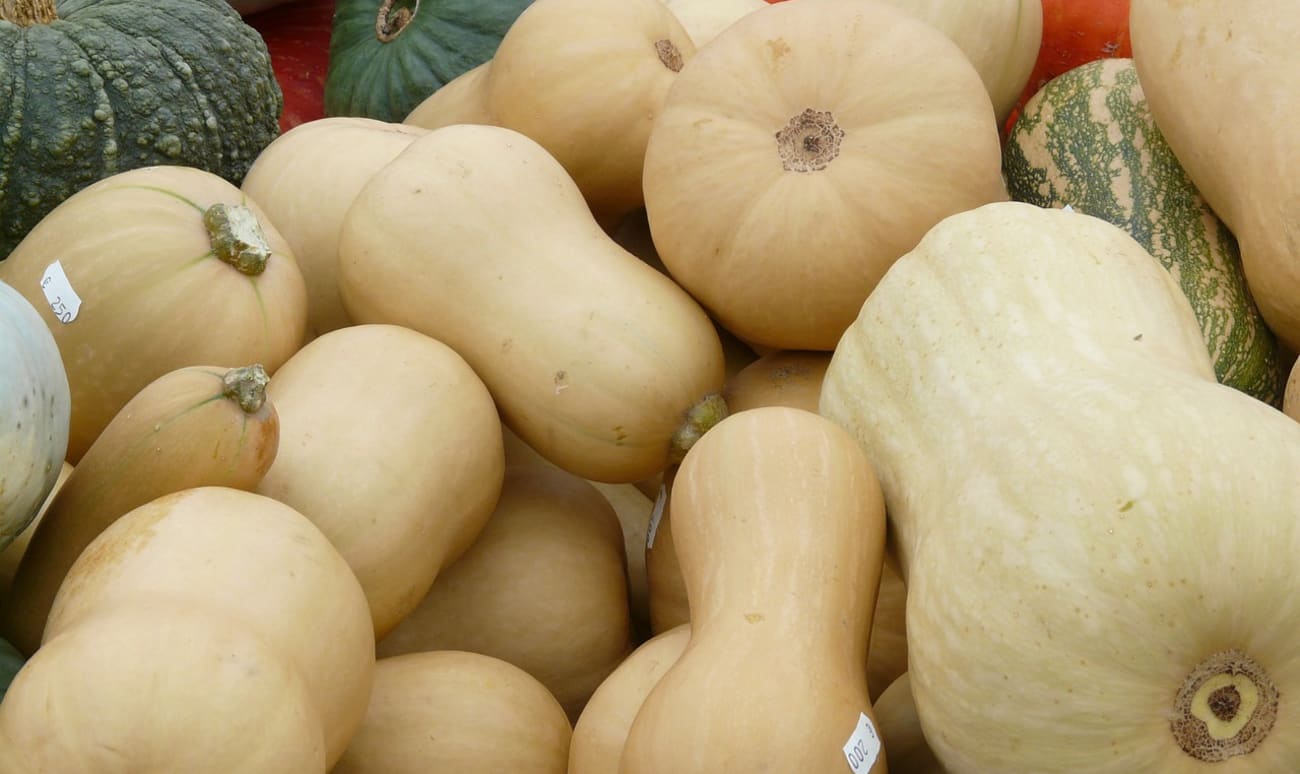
(655, 387)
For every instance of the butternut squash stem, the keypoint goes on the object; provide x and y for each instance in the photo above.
(237, 238)
(25, 13)
(246, 386)
(711, 410)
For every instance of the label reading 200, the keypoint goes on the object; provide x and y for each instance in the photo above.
(863, 746)
(63, 300)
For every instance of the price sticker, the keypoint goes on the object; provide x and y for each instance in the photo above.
(63, 300)
(656, 515)
(1068, 208)
(863, 746)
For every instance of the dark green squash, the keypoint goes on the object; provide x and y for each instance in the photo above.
(1087, 139)
(386, 56)
(89, 88)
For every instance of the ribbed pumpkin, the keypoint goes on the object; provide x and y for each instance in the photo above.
(95, 87)
(386, 56)
(1087, 139)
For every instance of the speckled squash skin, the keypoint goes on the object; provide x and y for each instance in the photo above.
(1087, 139)
(112, 85)
(35, 408)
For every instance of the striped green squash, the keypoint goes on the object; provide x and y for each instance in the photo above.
(1087, 139)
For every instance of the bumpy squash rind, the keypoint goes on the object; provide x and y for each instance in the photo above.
(1087, 139)
(385, 79)
(117, 84)
(35, 410)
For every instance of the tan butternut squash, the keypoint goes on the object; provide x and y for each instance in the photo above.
(900, 727)
(1222, 80)
(164, 267)
(543, 587)
(306, 201)
(476, 236)
(160, 685)
(780, 529)
(462, 100)
(400, 496)
(779, 189)
(246, 561)
(601, 730)
(196, 426)
(12, 553)
(585, 79)
(457, 712)
(634, 510)
(781, 378)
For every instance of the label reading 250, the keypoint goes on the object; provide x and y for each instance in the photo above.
(63, 300)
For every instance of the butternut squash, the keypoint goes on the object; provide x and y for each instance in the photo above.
(457, 712)
(196, 426)
(704, 19)
(160, 685)
(585, 79)
(476, 236)
(400, 497)
(601, 730)
(1108, 586)
(1222, 80)
(164, 267)
(909, 753)
(246, 561)
(306, 201)
(780, 529)
(462, 100)
(778, 189)
(542, 588)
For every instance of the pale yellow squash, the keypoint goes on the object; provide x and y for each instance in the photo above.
(306, 200)
(462, 100)
(543, 588)
(802, 151)
(391, 445)
(160, 685)
(780, 528)
(195, 426)
(452, 711)
(1098, 539)
(163, 267)
(601, 730)
(477, 237)
(704, 19)
(11, 554)
(1001, 38)
(1222, 80)
(249, 562)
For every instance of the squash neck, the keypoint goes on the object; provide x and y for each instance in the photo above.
(26, 13)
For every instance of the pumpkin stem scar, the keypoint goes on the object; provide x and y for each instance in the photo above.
(246, 386)
(26, 13)
(711, 410)
(390, 21)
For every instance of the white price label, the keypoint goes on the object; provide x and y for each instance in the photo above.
(863, 746)
(1068, 208)
(63, 300)
(655, 516)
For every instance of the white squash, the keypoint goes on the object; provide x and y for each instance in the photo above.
(1098, 540)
